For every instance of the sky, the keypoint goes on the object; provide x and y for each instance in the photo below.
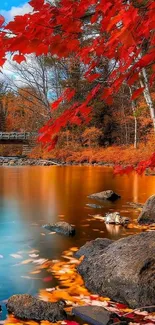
(10, 8)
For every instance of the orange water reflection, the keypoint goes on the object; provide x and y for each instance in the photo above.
(33, 196)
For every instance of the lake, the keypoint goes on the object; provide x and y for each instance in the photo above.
(33, 196)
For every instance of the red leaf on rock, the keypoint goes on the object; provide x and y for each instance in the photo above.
(68, 322)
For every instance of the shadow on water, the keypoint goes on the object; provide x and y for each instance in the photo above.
(33, 196)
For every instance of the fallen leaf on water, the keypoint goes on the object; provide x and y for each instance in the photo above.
(150, 317)
(52, 233)
(35, 272)
(42, 234)
(33, 251)
(33, 255)
(27, 261)
(50, 289)
(46, 322)
(31, 322)
(16, 256)
(40, 261)
(68, 322)
(87, 225)
(143, 313)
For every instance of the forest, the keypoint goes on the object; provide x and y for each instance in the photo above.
(102, 100)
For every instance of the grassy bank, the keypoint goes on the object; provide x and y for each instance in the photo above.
(110, 155)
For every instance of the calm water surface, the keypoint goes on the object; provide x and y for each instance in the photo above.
(33, 196)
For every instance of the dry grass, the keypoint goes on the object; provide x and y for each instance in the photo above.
(111, 155)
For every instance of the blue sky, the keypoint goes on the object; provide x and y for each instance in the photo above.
(8, 4)
(11, 8)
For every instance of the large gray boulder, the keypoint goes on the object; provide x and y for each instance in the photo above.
(105, 195)
(123, 271)
(93, 247)
(147, 215)
(27, 307)
(62, 227)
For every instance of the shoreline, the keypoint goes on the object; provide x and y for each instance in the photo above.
(25, 161)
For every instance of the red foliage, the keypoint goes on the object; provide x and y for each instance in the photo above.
(59, 30)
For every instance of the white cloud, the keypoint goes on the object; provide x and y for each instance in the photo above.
(14, 11)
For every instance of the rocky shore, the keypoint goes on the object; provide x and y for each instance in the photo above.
(25, 161)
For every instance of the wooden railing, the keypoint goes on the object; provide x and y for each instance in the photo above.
(17, 135)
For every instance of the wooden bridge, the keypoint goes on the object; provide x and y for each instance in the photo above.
(17, 137)
(26, 139)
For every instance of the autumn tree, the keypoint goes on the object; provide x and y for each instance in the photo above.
(119, 37)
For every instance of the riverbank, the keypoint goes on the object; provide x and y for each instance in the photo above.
(110, 156)
(67, 156)
(24, 161)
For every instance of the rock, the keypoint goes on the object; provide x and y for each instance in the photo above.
(27, 307)
(93, 314)
(115, 218)
(150, 172)
(135, 205)
(93, 246)
(99, 315)
(94, 206)
(147, 215)
(61, 227)
(105, 195)
(123, 271)
(12, 163)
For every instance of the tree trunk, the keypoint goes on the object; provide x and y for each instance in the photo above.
(135, 120)
(147, 96)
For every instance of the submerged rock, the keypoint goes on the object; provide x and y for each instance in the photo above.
(123, 271)
(93, 247)
(135, 205)
(147, 215)
(61, 227)
(105, 195)
(115, 218)
(94, 206)
(27, 307)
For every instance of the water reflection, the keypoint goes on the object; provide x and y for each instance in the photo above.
(32, 196)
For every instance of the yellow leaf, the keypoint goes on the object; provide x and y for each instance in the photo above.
(26, 261)
(74, 249)
(35, 272)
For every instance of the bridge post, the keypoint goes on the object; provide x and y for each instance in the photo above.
(27, 147)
